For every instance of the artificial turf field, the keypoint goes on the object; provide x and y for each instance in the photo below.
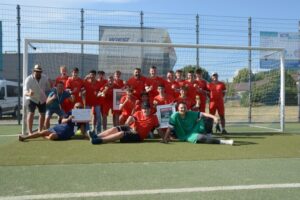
(258, 166)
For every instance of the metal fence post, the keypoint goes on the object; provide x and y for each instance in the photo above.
(19, 62)
(298, 82)
(82, 46)
(250, 69)
(197, 40)
(142, 40)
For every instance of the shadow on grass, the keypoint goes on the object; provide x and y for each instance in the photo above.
(242, 143)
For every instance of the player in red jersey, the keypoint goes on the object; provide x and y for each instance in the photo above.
(201, 88)
(119, 84)
(152, 82)
(191, 85)
(75, 85)
(170, 84)
(162, 98)
(217, 90)
(66, 105)
(91, 86)
(127, 105)
(136, 129)
(137, 83)
(63, 77)
(107, 92)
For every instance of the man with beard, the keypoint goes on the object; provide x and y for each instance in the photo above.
(35, 88)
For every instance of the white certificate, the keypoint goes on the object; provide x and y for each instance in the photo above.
(164, 113)
(81, 115)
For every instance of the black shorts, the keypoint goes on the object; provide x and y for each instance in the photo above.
(130, 136)
(32, 106)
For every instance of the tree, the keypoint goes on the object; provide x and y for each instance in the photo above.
(243, 76)
(268, 93)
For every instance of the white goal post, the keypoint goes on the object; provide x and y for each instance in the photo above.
(82, 44)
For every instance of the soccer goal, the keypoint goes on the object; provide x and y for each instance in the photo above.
(254, 76)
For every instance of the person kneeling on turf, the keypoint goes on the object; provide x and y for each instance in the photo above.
(63, 131)
(194, 127)
(136, 128)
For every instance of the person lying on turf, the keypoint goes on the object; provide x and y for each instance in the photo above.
(194, 127)
(136, 128)
(63, 131)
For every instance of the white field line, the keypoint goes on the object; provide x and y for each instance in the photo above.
(151, 191)
(9, 135)
(273, 129)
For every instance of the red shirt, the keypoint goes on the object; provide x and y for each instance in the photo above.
(154, 82)
(170, 88)
(119, 84)
(144, 124)
(191, 92)
(92, 89)
(62, 79)
(128, 106)
(163, 100)
(75, 85)
(138, 85)
(216, 90)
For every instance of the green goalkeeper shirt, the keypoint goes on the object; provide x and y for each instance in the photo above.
(189, 127)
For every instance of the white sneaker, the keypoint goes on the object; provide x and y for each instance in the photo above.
(229, 142)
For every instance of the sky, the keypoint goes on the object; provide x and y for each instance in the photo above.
(288, 9)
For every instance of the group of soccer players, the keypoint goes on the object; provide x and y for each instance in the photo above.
(95, 91)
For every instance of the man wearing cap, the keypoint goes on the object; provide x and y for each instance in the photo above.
(35, 88)
(217, 90)
(136, 128)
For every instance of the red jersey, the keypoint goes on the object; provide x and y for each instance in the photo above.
(170, 88)
(202, 92)
(61, 79)
(75, 85)
(191, 92)
(144, 124)
(91, 91)
(163, 100)
(138, 85)
(154, 82)
(128, 107)
(108, 98)
(216, 90)
(119, 84)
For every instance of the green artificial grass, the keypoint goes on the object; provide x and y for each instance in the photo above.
(43, 152)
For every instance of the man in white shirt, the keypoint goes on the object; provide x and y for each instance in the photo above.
(35, 88)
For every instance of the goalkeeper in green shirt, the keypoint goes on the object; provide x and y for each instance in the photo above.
(194, 127)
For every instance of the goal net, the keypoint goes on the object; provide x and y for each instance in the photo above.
(254, 76)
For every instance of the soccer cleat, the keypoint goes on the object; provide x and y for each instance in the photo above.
(218, 128)
(224, 131)
(91, 134)
(21, 138)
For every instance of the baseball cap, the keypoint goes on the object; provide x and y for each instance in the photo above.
(214, 74)
(37, 68)
(145, 105)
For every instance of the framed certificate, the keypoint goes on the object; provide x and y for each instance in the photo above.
(117, 95)
(81, 115)
(164, 113)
